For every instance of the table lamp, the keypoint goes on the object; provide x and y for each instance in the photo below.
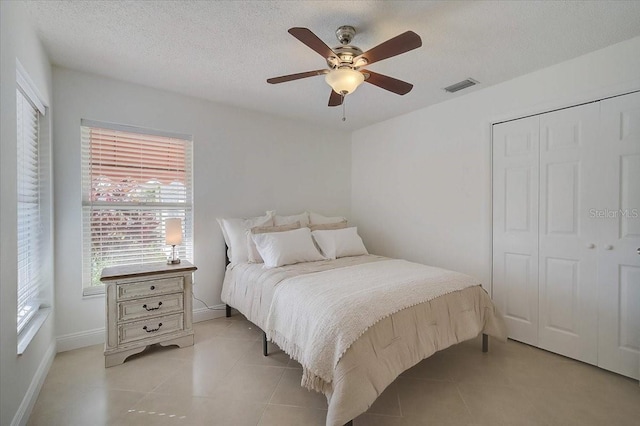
(173, 237)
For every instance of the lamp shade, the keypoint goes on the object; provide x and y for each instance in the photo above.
(173, 231)
(344, 80)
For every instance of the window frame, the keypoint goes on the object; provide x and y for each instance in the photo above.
(29, 236)
(27, 329)
(90, 206)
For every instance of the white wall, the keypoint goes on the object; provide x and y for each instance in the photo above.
(20, 376)
(244, 163)
(421, 182)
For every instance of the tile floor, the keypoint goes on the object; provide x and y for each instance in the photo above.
(224, 380)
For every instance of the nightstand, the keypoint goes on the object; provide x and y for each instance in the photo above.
(146, 304)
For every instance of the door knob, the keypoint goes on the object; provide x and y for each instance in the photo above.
(608, 247)
(638, 250)
(591, 245)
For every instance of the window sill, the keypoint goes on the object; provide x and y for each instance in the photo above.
(26, 336)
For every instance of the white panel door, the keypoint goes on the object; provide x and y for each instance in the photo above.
(618, 216)
(567, 236)
(515, 226)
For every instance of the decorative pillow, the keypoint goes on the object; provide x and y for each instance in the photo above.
(340, 242)
(286, 248)
(234, 231)
(303, 218)
(318, 219)
(254, 256)
(328, 226)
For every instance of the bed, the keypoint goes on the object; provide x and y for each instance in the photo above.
(357, 322)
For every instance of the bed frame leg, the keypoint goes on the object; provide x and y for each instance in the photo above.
(227, 310)
(264, 344)
(485, 343)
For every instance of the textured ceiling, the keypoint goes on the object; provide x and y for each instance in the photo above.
(225, 50)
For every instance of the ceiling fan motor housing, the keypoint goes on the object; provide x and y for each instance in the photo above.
(345, 57)
(345, 34)
(345, 52)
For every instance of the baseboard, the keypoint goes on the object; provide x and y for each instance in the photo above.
(31, 396)
(204, 314)
(80, 339)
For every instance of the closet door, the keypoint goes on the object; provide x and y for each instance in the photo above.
(569, 174)
(515, 226)
(618, 216)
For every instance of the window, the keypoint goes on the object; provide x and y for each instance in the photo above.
(132, 181)
(29, 226)
(34, 265)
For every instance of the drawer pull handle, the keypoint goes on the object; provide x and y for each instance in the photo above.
(151, 330)
(152, 309)
(153, 287)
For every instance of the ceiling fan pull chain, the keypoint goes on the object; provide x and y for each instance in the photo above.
(344, 118)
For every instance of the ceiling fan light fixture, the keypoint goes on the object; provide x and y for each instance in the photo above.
(344, 80)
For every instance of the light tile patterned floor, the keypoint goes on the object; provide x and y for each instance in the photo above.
(224, 380)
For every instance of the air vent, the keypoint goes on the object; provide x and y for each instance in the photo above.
(461, 85)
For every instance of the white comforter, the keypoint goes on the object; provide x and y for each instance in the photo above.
(327, 315)
(316, 317)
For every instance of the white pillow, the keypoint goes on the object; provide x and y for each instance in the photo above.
(234, 231)
(340, 243)
(318, 219)
(303, 218)
(254, 256)
(286, 248)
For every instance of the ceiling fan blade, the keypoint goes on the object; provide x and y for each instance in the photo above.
(335, 99)
(310, 39)
(290, 77)
(400, 44)
(388, 83)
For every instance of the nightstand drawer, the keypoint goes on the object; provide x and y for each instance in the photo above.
(130, 332)
(150, 288)
(150, 306)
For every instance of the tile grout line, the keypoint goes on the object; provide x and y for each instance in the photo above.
(165, 380)
(276, 386)
(132, 407)
(463, 400)
(264, 409)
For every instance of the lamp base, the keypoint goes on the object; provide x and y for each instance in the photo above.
(173, 261)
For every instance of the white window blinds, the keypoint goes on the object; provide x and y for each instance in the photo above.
(132, 181)
(29, 227)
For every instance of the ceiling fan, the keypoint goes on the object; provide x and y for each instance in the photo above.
(344, 74)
